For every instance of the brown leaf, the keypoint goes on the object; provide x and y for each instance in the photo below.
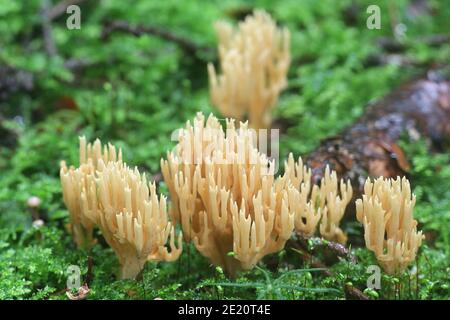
(400, 157)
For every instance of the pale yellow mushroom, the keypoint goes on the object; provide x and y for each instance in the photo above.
(254, 61)
(106, 193)
(332, 201)
(225, 195)
(386, 211)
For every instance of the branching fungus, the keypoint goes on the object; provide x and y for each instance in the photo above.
(332, 199)
(306, 215)
(105, 192)
(225, 195)
(317, 204)
(386, 210)
(254, 61)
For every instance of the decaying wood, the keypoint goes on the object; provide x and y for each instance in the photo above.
(353, 293)
(90, 272)
(418, 109)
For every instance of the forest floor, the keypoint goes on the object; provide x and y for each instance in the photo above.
(134, 91)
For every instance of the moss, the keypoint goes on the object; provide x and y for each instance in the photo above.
(136, 90)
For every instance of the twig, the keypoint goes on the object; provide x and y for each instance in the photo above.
(47, 32)
(351, 292)
(143, 280)
(337, 248)
(83, 290)
(139, 30)
(315, 262)
(89, 274)
(393, 45)
(50, 13)
(61, 8)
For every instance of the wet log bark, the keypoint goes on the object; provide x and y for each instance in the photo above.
(417, 109)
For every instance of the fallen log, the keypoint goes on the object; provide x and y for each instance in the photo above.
(418, 109)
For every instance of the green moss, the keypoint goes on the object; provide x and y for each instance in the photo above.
(136, 90)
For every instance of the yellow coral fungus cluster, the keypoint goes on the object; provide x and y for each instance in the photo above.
(225, 195)
(106, 193)
(73, 181)
(333, 199)
(316, 204)
(306, 215)
(229, 203)
(254, 61)
(386, 210)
